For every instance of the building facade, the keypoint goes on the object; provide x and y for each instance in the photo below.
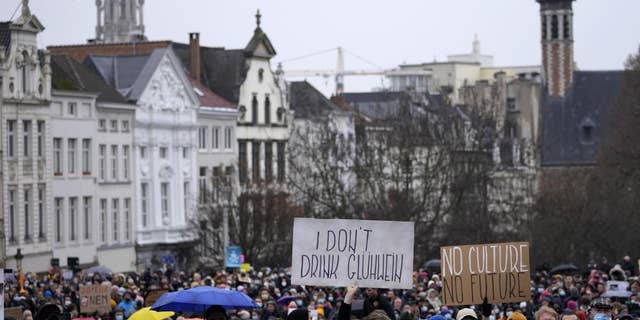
(26, 149)
(120, 21)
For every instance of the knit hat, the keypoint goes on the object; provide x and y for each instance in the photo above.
(517, 316)
(466, 312)
(572, 305)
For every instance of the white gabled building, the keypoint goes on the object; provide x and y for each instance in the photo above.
(25, 79)
(164, 150)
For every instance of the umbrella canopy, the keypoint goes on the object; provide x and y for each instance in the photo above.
(433, 264)
(564, 269)
(148, 314)
(102, 270)
(199, 299)
(284, 300)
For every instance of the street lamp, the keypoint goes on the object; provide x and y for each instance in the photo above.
(18, 258)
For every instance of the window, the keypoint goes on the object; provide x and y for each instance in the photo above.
(115, 208)
(242, 161)
(228, 137)
(40, 139)
(125, 125)
(554, 27)
(103, 220)
(202, 185)
(511, 104)
(12, 215)
(57, 156)
(202, 138)
(164, 199)
(281, 161)
(186, 197)
(11, 138)
(255, 161)
(71, 152)
(72, 108)
(215, 135)
(26, 138)
(114, 125)
(268, 161)
(86, 157)
(114, 162)
(41, 217)
(125, 162)
(544, 27)
(102, 154)
(587, 133)
(127, 218)
(102, 125)
(163, 152)
(260, 74)
(254, 110)
(267, 110)
(23, 71)
(566, 27)
(144, 202)
(185, 152)
(58, 211)
(143, 152)
(27, 213)
(73, 215)
(86, 210)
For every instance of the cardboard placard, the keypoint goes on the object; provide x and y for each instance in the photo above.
(499, 271)
(15, 312)
(335, 252)
(95, 298)
(152, 296)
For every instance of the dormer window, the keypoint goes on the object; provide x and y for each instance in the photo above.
(587, 131)
(261, 75)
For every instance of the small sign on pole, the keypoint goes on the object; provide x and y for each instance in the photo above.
(234, 257)
(335, 252)
(95, 298)
(498, 271)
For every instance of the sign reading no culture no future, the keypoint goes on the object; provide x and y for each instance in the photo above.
(335, 252)
(498, 271)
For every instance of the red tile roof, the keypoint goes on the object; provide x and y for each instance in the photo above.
(208, 98)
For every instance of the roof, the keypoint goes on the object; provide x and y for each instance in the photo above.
(208, 98)
(307, 102)
(68, 74)
(381, 105)
(566, 137)
(81, 51)
(259, 37)
(5, 36)
(128, 74)
(223, 71)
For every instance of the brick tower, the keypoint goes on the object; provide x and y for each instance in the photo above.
(557, 45)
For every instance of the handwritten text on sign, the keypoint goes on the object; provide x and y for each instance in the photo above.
(95, 298)
(498, 271)
(334, 252)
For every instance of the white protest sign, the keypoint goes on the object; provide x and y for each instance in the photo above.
(334, 252)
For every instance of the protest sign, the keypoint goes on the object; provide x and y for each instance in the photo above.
(15, 312)
(497, 271)
(152, 296)
(334, 252)
(94, 298)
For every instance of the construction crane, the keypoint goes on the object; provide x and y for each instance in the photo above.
(338, 73)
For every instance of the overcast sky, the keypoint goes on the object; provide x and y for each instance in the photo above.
(385, 33)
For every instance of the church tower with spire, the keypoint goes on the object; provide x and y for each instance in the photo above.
(120, 21)
(556, 18)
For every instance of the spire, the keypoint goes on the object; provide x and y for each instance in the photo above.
(258, 16)
(476, 44)
(26, 13)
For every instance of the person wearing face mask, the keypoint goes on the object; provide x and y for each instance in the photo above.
(601, 309)
(118, 314)
(127, 304)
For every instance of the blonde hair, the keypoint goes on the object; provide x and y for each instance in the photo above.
(545, 309)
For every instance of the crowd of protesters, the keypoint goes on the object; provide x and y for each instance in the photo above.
(574, 294)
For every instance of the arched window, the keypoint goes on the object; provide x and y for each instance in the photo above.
(254, 109)
(260, 75)
(23, 72)
(554, 27)
(267, 110)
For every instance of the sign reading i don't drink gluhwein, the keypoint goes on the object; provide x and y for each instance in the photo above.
(498, 271)
(334, 252)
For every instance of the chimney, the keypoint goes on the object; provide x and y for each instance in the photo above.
(194, 55)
